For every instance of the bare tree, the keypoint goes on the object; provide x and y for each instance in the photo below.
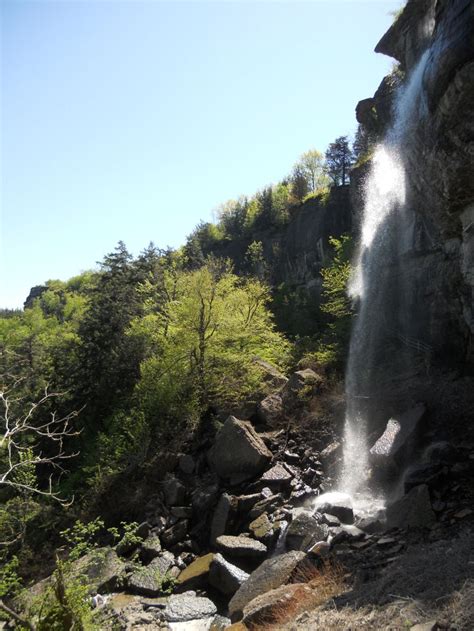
(29, 439)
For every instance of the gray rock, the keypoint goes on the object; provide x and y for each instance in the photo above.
(330, 455)
(174, 490)
(276, 478)
(238, 453)
(246, 502)
(300, 381)
(304, 531)
(241, 547)
(188, 606)
(150, 549)
(203, 497)
(182, 512)
(271, 410)
(196, 573)
(150, 580)
(220, 623)
(271, 374)
(267, 505)
(330, 520)
(262, 529)
(412, 510)
(429, 474)
(101, 568)
(338, 504)
(271, 574)
(226, 577)
(222, 514)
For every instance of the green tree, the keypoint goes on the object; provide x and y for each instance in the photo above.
(339, 159)
(311, 166)
(203, 342)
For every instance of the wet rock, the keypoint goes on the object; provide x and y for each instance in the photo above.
(241, 547)
(330, 454)
(267, 605)
(271, 410)
(224, 576)
(150, 549)
(304, 531)
(174, 491)
(396, 443)
(412, 510)
(291, 457)
(338, 504)
(346, 533)
(238, 453)
(188, 606)
(330, 520)
(271, 574)
(370, 525)
(222, 514)
(197, 572)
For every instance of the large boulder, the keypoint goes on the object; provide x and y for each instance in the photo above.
(266, 607)
(226, 577)
(304, 531)
(271, 574)
(196, 573)
(412, 510)
(276, 478)
(150, 580)
(271, 410)
(241, 547)
(270, 374)
(238, 453)
(395, 445)
(101, 568)
(300, 384)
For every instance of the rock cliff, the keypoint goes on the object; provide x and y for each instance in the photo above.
(438, 264)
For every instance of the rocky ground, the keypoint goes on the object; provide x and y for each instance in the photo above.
(236, 536)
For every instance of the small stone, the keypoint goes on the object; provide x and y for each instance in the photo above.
(277, 477)
(386, 541)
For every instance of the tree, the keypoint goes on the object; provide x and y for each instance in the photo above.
(311, 167)
(339, 159)
(299, 184)
(203, 343)
(29, 439)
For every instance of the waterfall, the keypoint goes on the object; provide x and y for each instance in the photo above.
(381, 301)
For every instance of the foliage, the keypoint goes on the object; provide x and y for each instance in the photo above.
(81, 538)
(202, 343)
(10, 582)
(311, 166)
(126, 534)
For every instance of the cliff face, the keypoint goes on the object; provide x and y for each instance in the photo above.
(438, 262)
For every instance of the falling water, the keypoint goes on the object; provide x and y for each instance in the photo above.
(384, 224)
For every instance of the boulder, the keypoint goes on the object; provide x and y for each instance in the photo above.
(262, 529)
(271, 375)
(299, 383)
(337, 504)
(271, 410)
(188, 606)
(226, 577)
(304, 531)
(241, 547)
(396, 443)
(276, 478)
(149, 581)
(330, 454)
(247, 502)
(150, 549)
(412, 510)
(238, 453)
(174, 490)
(429, 474)
(101, 568)
(222, 514)
(197, 572)
(271, 574)
(267, 505)
(264, 608)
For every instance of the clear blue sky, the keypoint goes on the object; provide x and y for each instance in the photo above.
(134, 120)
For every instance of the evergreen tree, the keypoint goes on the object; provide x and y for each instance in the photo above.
(339, 159)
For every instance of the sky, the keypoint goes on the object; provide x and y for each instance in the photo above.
(134, 120)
